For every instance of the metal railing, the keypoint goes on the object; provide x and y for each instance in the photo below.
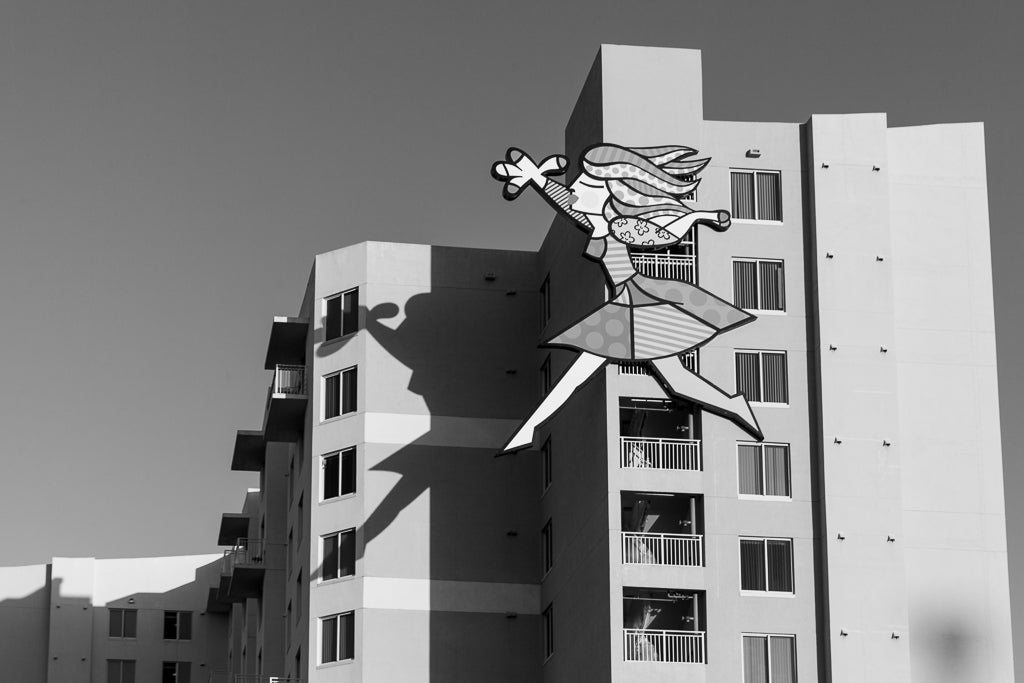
(639, 645)
(263, 678)
(681, 550)
(660, 454)
(289, 379)
(690, 362)
(666, 266)
(247, 551)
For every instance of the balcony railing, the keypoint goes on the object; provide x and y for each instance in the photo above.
(689, 358)
(681, 550)
(290, 379)
(640, 645)
(248, 551)
(666, 266)
(263, 678)
(660, 454)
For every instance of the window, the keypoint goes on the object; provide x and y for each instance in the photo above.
(339, 555)
(769, 658)
(546, 463)
(341, 314)
(339, 473)
(299, 520)
(337, 638)
(120, 671)
(176, 672)
(758, 285)
(764, 469)
(298, 595)
(122, 623)
(549, 632)
(340, 393)
(545, 302)
(545, 376)
(547, 547)
(761, 376)
(177, 626)
(766, 565)
(757, 195)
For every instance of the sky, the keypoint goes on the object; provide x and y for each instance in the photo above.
(169, 169)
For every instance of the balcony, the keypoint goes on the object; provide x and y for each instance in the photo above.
(249, 454)
(663, 625)
(642, 645)
(660, 454)
(690, 360)
(233, 526)
(243, 569)
(659, 434)
(681, 550)
(287, 398)
(287, 344)
(666, 266)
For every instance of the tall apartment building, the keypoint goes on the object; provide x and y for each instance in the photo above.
(645, 540)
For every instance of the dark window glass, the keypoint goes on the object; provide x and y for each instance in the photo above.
(752, 565)
(776, 466)
(776, 385)
(549, 631)
(347, 553)
(350, 312)
(546, 451)
(170, 625)
(176, 672)
(769, 201)
(122, 623)
(744, 284)
(332, 325)
(331, 472)
(742, 194)
(783, 659)
(780, 566)
(337, 638)
(120, 671)
(772, 286)
(750, 469)
(348, 391)
(547, 546)
(330, 570)
(748, 375)
(755, 659)
(348, 471)
(332, 396)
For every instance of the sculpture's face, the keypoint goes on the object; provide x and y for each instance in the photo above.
(589, 195)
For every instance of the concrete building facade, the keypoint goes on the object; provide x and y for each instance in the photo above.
(643, 539)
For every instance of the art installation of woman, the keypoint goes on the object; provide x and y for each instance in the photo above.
(632, 198)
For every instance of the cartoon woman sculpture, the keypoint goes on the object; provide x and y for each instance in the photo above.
(632, 199)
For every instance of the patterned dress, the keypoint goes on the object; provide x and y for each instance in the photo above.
(647, 317)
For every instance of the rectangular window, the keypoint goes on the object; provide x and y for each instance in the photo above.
(122, 623)
(341, 314)
(339, 473)
(545, 302)
(337, 638)
(547, 547)
(764, 469)
(339, 555)
(757, 195)
(761, 376)
(340, 393)
(120, 671)
(766, 565)
(758, 285)
(546, 463)
(545, 376)
(177, 626)
(769, 658)
(176, 672)
(549, 632)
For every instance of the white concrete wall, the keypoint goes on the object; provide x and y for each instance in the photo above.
(952, 487)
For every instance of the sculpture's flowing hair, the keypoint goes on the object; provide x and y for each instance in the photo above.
(644, 182)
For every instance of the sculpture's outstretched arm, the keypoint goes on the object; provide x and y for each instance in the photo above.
(518, 170)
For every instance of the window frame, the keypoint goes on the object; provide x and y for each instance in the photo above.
(548, 631)
(323, 555)
(337, 633)
(764, 472)
(547, 473)
(123, 611)
(760, 368)
(767, 592)
(340, 455)
(177, 670)
(545, 301)
(547, 549)
(753, 173)
(545, 376)
(340, 374)
(768, 650)
(343, 331)
(757, 261)
(177, 625)
(120, 664)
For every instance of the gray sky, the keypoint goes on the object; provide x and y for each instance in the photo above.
(169, 169)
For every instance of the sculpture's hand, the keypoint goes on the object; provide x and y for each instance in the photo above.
(518, 170)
